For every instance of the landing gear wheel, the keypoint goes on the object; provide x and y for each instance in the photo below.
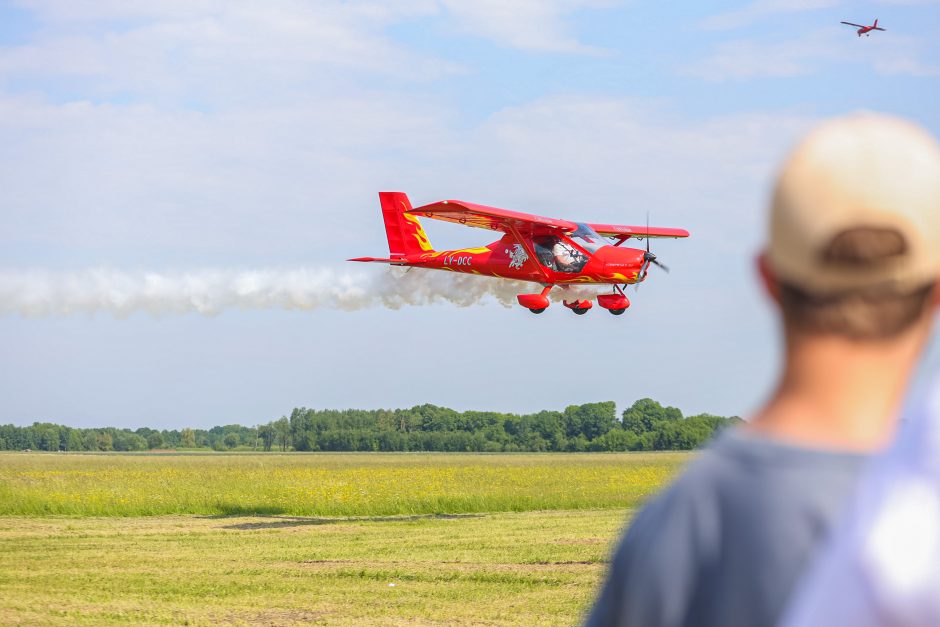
(616, 312)
(537, 311)
(579, 310)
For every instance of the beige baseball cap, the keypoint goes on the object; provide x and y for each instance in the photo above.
(860, 171)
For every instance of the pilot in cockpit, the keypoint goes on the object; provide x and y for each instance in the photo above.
(556, 254)
(567, 258)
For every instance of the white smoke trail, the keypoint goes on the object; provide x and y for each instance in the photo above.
(209, 292)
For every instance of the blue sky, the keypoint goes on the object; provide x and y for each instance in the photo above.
(178, 136)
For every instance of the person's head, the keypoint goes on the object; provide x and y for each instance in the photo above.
(564, 253)
(854, 243)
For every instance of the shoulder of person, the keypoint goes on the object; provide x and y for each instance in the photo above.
(683, 514)
(652, 576)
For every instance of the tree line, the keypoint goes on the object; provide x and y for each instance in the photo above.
(644, 426)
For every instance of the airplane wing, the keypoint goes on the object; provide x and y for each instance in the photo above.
(639, 232)
(496, 219)
(493, 218)
(851, 24)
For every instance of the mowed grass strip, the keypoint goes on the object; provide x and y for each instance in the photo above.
(491, 569)
(354, 484)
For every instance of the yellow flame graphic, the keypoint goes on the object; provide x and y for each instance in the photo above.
(423, 242)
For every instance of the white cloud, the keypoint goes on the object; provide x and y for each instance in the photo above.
(113, 179)
(763, 9)
(810, 53)
(905, 57)
(768, 9)
(84, 12)
(214, 53)
(218, 52)
(614, 159)
(749, 58)
(532, 25)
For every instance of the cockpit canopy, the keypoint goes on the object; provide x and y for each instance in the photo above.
(587, 238)
(561, 255)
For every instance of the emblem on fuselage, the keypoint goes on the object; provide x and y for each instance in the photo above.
(517, 256)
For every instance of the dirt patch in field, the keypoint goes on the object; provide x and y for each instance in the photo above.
(329, 562)
(453, 566)
(271, 617)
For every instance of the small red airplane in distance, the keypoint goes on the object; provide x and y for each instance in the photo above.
(864, 30)
(547, 251)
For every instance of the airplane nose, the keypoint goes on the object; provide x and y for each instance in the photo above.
(620, 259)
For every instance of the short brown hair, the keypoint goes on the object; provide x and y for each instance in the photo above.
(870, 314)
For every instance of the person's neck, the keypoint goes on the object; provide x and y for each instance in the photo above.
(840, 394)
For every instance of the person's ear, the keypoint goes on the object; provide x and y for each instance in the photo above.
(769, 280)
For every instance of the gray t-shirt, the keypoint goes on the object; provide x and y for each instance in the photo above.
(727, 542)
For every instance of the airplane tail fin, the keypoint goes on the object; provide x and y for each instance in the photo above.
(405, 235)
(876, 24)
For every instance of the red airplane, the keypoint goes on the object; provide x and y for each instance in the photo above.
(547, 251)
(862, 29)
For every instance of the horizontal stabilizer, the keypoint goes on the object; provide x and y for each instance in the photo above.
(377, 260)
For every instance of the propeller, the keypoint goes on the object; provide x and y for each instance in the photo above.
(649, 257)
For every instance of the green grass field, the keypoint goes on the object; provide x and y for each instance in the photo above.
(352, 484)
(333, 539)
